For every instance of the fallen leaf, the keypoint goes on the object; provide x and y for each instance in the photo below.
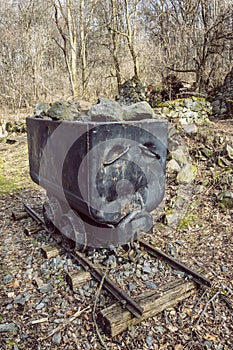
(172, 328)
(69, 312)
(14, 284)
(88, 327)
(178, 347)
(86, 317)
(229, 151)
(209, 337)
(83, 332)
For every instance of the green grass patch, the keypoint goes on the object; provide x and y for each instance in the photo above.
(7, 185)
(14, 169)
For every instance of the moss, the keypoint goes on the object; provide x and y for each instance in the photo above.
(198, 98)
(35, 242)
(188, 221)
(59, 280)
(180, 101)
(10, 344)
(168, 211)
(171, 104)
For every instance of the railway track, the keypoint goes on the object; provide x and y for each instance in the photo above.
(127, 302)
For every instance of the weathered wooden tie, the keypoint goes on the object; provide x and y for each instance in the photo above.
(76, 279)
(51, 251)
(19, 215)
(115, 319)
(31, 230)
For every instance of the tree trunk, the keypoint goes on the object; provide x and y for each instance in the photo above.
(131, 37)
(83, 46)
(115, 44)
(73, 47)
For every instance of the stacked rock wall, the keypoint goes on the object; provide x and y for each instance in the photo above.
(194, 110)
(223, 101)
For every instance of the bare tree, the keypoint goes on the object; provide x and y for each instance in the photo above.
(130, 18)
(86, 15)
(24, 41)
(127, 18)
(194, 34)
(67, 27)
(54, 48)
(115, 42)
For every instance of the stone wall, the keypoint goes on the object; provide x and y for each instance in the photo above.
(194, 110)
(223, 101)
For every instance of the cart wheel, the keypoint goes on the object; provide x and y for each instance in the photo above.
(52, 213)
(73, 229)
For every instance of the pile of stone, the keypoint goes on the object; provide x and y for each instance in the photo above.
(223, 101)
(62, 110)
(153, 95)
(106, 110)
(182, 173)
(194, 110)
(12, 127)
(131, 91)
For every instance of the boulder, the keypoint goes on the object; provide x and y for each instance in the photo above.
(63, 110)
(173, 218)
(193, 110)
(106, 110)
(41, 109)
(225, 199)
(84, 106)
(8, 328)
(190, 128)
(187, 174)
(173, 166)
(109, 110)
(180, 155)
(138, 111)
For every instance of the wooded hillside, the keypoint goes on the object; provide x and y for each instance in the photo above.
(87, 48)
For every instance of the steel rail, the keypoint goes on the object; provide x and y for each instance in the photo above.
(35, 215)
(155, 252)
(108, 284)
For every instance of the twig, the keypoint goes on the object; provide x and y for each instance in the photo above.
(226, 300)
(205, 308)
(41, 320)
(214, 309)
(94, 313)
(198, 302)
(65, 324)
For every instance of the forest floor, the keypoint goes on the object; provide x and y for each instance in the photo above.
(39, 319)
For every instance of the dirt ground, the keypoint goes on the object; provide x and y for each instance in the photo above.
(203, 239)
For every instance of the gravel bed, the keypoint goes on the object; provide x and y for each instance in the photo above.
(38, 310)
(30, 314)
